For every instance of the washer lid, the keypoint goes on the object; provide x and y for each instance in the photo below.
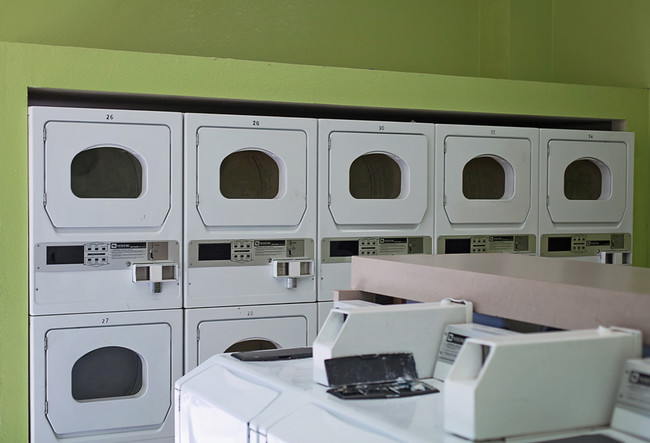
(229, 399)
(251, 177)
(313, 422)
(610, 158)
(508, 199)
(107, 175)
(403, 157)
(80, 402)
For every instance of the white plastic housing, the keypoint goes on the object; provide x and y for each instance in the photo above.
(59, 217)
(341, 215)
(516, 150)
(632, 411)
(210, 331)
(452, 342)
(532, 383)
(415, 328)
(613, 153)
(212, 216)
(59, 342)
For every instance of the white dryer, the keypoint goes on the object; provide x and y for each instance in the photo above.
(105, 377)
(375, 194)
(105, 210)
(486, 189)
(586, 195)
(250, 210)
(211, 331)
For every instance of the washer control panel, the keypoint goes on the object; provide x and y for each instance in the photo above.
(579, 245)
(479, 244)
(102, 255)
(251, 252)
(339, 250)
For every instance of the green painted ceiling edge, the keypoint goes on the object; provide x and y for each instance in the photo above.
(23, 66)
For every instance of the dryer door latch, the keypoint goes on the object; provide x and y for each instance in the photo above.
(292, 270)
(155, 274)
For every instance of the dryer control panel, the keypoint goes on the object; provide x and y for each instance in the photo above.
(581, 245)
(103, 255)
(478, 244)
(339, 250)
(217, 253)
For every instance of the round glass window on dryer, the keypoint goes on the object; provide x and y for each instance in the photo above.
(252, 344)
(251, 174)
(488, 177)
(377, 176)
(107, 172)
(587, 179)
(107, 372)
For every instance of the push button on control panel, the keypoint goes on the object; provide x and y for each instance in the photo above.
(578, 243)
(95, 254)
(242, 251)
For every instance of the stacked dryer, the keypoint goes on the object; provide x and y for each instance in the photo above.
(105, 293)
(374, 190)
(486, 189)
(250, 229)
(585, 195)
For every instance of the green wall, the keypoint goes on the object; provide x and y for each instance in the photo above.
(415, 36)
(23, 66)
(597, 42)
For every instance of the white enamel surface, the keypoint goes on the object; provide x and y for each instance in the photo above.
(154, 335)
(150, 144)
(408, 208)
(288, 148)
(213, 330)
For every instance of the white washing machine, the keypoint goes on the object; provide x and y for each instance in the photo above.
(211, 331)
(375, 194)
(324, 308)
(586, 195)
(278, 401)
(104, 377)
(250, 210)
(486, 189)
(105, 210)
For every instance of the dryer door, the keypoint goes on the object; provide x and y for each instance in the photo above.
(587, 181)
(487, 180)
(102, 379)
(251, 177)
(107, 175)
(238, 335)
(378, 179)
